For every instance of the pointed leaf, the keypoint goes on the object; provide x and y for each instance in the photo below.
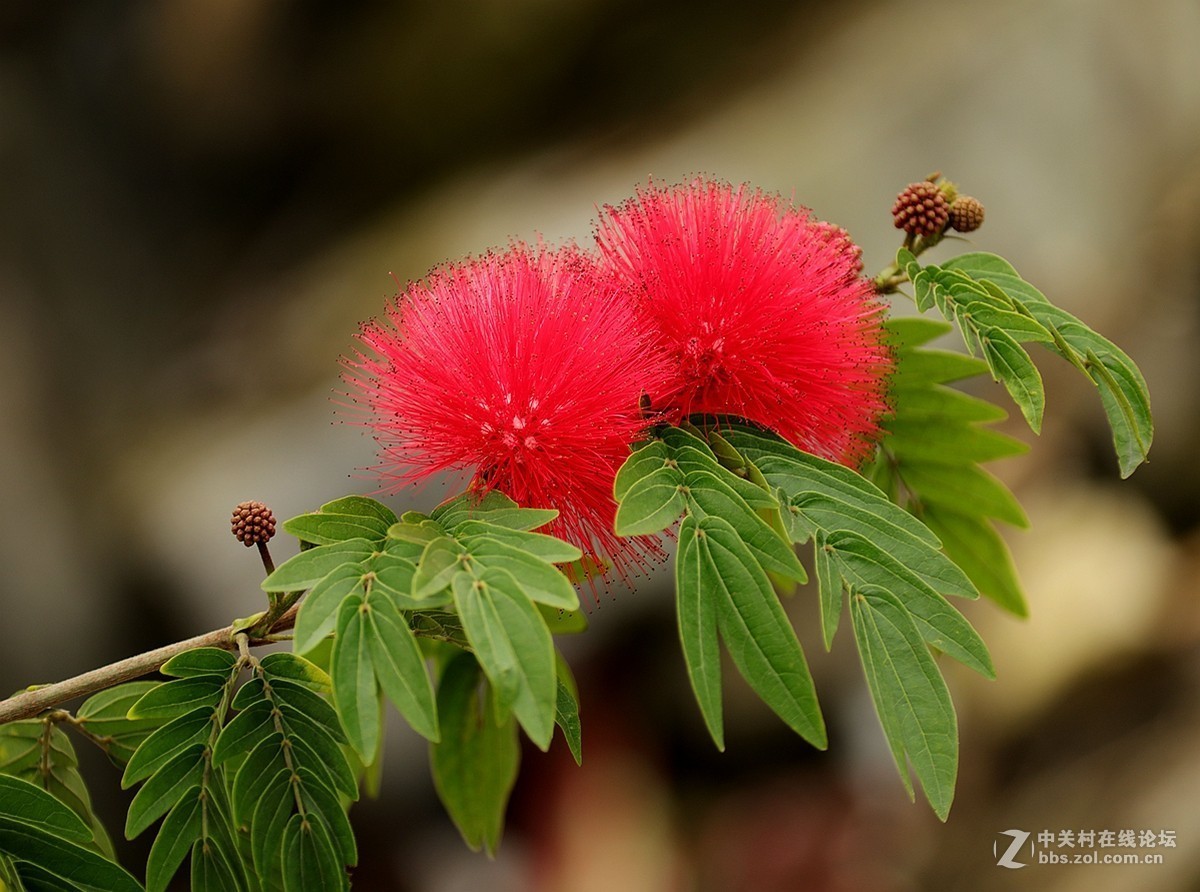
(164, 789)
(910, 696)
(354, 689)
(31, 805)
(399, 665)
(475, 764)
(697, 616)
(167, 742)
(539, 580)
(651, 504)
(63, 858)
(176, 698)
(310, 859)
(756, 630)
(200, 661)
(309, 567)
(183, 826)
(319, 608)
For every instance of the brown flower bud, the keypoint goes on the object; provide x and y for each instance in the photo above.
(966, 214)
(921, 209)
(252, 523)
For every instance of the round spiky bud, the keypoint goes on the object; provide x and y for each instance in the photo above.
(966, 214)
(252, 523)
(921, 209)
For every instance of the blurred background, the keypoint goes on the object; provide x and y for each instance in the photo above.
(201, 199)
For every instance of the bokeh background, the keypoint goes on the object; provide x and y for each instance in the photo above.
(201, 199)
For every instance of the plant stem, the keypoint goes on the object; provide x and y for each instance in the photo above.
(892, 277)
(29, 703)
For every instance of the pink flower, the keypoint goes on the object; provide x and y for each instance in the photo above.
(762, 308)
(526, 368)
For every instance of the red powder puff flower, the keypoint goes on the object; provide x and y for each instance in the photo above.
(525, 367)
(762, 309)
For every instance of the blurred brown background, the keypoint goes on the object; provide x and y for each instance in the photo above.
(200, 199)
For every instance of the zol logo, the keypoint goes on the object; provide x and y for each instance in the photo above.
(1008, 859)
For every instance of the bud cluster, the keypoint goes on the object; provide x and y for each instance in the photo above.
(252, 523)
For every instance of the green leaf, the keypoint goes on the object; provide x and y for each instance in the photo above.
(1123, 391)
(271, 815)
(296, 669)
(164, 789)
(63, 858)
(176, 698)
(651, 504)
(566, 716)
(183, 825)
(829, 582)
(33, 806)
(104, 714)
(247, 730)
(324, 528)
(976, 546)
(309, 567)
(910, 696)
(755, 629)
(539, 580)
(697, 617)
(310, 860)
(255, 774)
(399, 665)
(708, 496)
(322, 800)
(547, 548)
(475, 763)
(1011, 365)
(965, 486)
(935, 429)
(645, 460)
(834, 497)
(493, 507)
(563, 622)
(361, 506)
(319, 608)
(513, 645)
(166, 743)
(865, 565)
(200, 661)
(211, 869)
(440, 560)
(354, 688)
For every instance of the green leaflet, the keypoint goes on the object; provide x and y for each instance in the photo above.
(182, 827)
(755, 629)
(399, 664)
(31, 805)
(892, 566)
(566, 716)
(863, 564)
(929, 461)
(1122, 389)
(493, 507)
(696, 612)
(354, 686)
(910, 696)
(351, 517)
(27, 747)
(310, 858)
(513, 645)
(475, 763)
(37, 830)
(104, 714)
